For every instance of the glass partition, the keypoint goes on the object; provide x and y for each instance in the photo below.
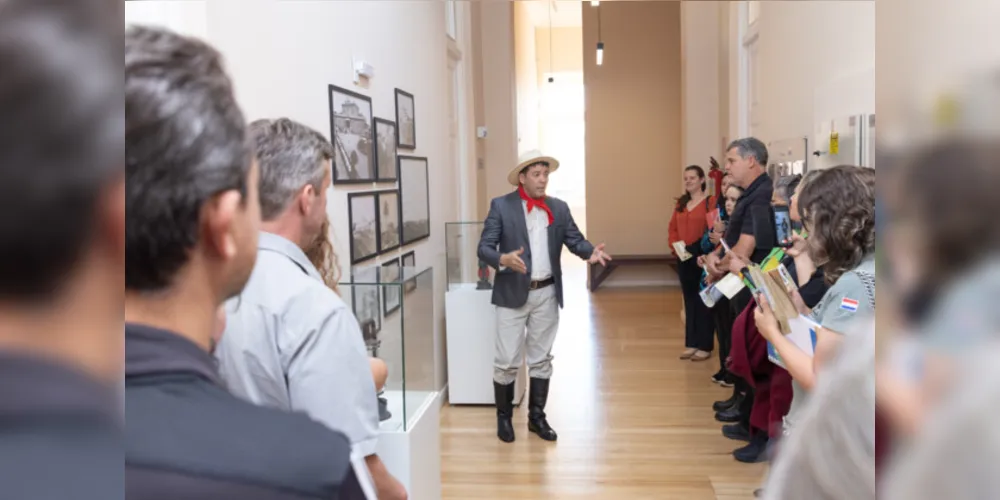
(395, 307)
(465, 270)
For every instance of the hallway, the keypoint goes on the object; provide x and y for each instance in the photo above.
(634, 421)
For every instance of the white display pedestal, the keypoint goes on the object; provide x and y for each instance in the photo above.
(472, 321)
(413, 456)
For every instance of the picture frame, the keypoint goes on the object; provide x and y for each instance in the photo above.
(362, 212)
(406, 120)
(414, 199)
(352, 132)
(391, 301)
(389, 228)
(366, 304)
(409, 259)
(386, 137)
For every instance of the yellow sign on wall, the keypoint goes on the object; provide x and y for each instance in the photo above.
(835, 143)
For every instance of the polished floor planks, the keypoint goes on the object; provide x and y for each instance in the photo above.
(634, 421)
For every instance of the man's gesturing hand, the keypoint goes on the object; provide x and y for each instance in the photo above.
(599, 257)
(513, 261)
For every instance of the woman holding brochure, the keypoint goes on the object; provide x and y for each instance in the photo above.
(688, 224)
(838, 213)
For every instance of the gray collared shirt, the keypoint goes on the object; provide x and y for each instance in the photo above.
(292, 343)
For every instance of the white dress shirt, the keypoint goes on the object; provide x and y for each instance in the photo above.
(538, 238)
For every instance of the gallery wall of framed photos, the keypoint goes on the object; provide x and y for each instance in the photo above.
(366, 151)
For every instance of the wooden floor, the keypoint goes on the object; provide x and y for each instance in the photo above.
(634, 422)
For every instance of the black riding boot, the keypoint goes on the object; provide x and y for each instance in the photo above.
(504, 397)
(536, 410)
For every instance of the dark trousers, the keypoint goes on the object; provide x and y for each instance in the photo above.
(737, 305)
(699, 325)
(724, 318)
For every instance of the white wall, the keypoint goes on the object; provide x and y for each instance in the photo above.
(499, 98)
(188, 18)
(929, 47)
(526, 70)
(701, 38)
(817, 61)
(282, 56)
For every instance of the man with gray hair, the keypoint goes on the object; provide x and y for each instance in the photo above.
(290, 341)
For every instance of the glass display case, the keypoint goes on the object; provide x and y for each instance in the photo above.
(471, 319)
(394, 306)
(788, 157)
(465, 270)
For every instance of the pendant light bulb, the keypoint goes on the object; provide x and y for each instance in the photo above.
(600, 53)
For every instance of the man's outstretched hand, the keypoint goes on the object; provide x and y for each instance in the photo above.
(513, 261)
(599, 257)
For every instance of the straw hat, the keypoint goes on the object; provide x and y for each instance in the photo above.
(528, 159)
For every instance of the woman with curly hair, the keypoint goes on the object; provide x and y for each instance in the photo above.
(838, 214)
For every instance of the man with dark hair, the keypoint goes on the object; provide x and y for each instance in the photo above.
(191, 240)
(751, 236)
(291, 342)
(522, 239)
(62, 244)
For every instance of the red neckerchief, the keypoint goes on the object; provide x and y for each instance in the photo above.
(532, 203)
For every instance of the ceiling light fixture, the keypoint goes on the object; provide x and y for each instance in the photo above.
(600, 39)
(595, 4)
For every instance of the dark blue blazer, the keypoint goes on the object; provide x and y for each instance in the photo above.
(506, 230)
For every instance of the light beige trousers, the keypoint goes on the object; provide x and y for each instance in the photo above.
(530, 329)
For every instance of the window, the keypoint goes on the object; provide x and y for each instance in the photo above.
(753, 12)
(451, 19)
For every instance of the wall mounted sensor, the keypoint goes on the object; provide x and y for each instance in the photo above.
(363, 69)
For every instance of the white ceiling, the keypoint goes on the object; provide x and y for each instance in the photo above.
(565, 13)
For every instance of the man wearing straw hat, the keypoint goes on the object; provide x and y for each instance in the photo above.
(523, 238)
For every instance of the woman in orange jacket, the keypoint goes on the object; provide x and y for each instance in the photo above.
(688, 224)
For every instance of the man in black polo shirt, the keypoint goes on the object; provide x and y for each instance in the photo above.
(62, 250)
(751, 235)
(191, 243)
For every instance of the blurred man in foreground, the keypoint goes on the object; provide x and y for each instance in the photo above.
(192, 229)
(62, 245)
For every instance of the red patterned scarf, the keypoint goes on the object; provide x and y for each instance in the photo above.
(532, 203)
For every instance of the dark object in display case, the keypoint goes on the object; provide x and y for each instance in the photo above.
(369, 331)
(484, 277)
(383, 408)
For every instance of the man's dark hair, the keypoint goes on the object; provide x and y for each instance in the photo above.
(187, 142)
(290, 155)
(751, 147)
(61, 137)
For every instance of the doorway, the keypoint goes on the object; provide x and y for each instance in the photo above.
(562, 133)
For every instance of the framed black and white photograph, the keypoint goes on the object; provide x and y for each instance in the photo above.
(406, 120)
(388, 220)
(385, 151)
(414, 199)
(390, 293)
(367, 309)
(409, 260)
(362, 209)
(352, 133)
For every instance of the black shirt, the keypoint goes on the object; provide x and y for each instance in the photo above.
(186, 437)
(814, 290)
(60, 433)
(753, 216)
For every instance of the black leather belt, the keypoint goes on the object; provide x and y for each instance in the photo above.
(538, 285)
